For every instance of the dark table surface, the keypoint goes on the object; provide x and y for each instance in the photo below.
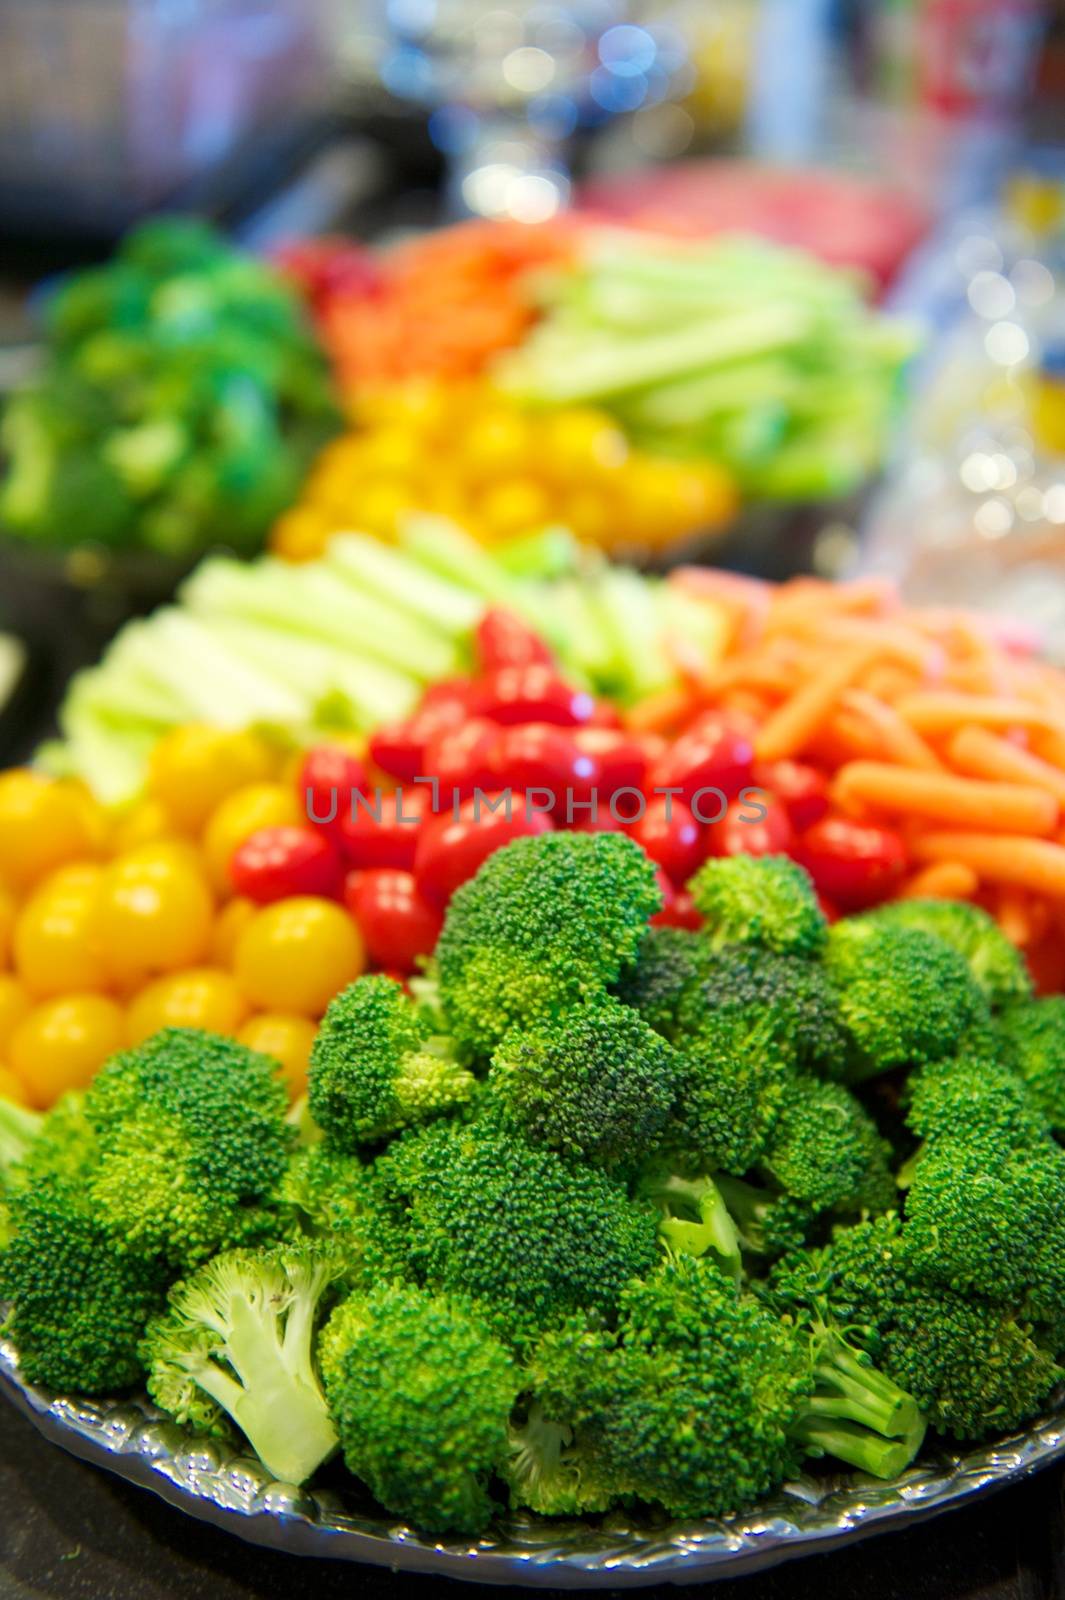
(71, 1531)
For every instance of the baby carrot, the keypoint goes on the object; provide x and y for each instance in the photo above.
(898, 739)
(794, 724)
(938, 711)
(1011, 807)
(943, 880)
(984, 755)
(1034, 864)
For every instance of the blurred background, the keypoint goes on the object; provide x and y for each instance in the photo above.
(776, 284)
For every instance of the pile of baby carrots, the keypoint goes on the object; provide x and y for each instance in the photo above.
(942, 725)
(443, 304)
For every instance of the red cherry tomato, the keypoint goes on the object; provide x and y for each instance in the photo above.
(451, 849)
(602, 822)
(382, 830)
(853, 863)
(802, 789)
(327, 777)
(715, 753)
(756, 824)
(396, 922)
(622, 759)
(832, 913)
(532, 693)
(671, 836)
(461, 761)
(459, 690)
(604, 716)
(680, 912)
(537, 756)
(400, 748)
(502, 639)
(279, 863)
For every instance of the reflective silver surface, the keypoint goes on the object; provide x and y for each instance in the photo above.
(209, 1481)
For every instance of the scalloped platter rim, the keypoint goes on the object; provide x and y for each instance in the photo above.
(208, 1481)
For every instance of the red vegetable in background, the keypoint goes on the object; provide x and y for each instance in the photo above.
(462, 760)
(399, 748)
(531, 693)
(328, 775)
(713, 752)
(539, 755)
(396, 921)
(451, 849)
(383, 832)
(671, 837)
(680, 912)
(802, 788)
(278, 863)
(743, 832)
(504, 640)
(854, 863)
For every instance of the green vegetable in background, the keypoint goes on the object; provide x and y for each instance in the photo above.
(181, 401)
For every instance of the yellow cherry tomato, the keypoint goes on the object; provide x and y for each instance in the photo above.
(8, 911)
(42, 824)
(498, 443)
(288, 1039)
(153, 911)
(53, 946)
(14, 1005)
(201, 997)
(297, 954)
(194, 768)
(228, 927)
(12, 1088)
(513, 506)
(301, 534)
(62, 1043)
(579, 442)
(259, 805)
(141, 823)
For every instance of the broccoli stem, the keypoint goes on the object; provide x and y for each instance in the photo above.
(859, 1415)
(19, 1126)
(703, 1225)
(277, 1402)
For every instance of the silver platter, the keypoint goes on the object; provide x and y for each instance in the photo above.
(208, 1481)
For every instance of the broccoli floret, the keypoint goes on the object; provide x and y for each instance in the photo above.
(421, 1392)
(761, 900)
(596, 1083)
(905, 997)
(546, 922)
(375, 1068)
(518, 1228)
(795, 996)
(702, 1399)
(192, 1143)
(970, 1365)
(1033, 1043)
(330, 1194)
(743, 1029)
(79, 1298)
(19, 1127)
(670, 962)
(997, 1231)
(997, 966)
(236, 1344)
(974, 1097)
(551, 1470)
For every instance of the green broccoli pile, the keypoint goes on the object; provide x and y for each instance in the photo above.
(180, 404)
(601, 1213)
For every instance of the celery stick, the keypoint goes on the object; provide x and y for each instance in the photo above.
(628, 615)
(595, 372)
(218, 686)
(372, 566)
(373, 693)
(688, 401)
(694, 622)
(588, 648)
(551, 552)
(441, 545)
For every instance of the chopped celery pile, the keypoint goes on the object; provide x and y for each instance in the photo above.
(351, 641)
(761, 358)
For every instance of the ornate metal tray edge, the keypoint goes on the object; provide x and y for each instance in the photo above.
(208, 1481)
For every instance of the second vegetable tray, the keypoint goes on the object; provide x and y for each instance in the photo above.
(809, 1516)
